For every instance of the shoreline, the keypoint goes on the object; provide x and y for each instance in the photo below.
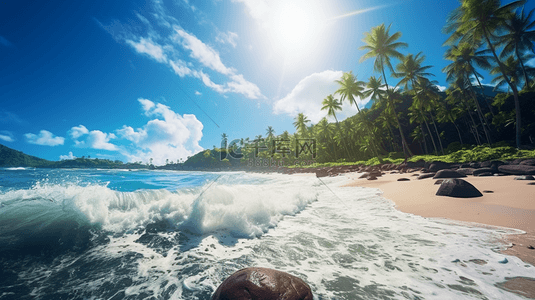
(511, 204)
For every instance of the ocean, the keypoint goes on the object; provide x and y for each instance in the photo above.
(120, 234)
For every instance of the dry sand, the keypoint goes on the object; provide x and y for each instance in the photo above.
(511, 204)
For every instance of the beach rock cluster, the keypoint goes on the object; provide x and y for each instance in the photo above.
(427, 169)
(262, 284)
(459, 188)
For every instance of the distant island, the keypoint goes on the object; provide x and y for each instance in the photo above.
(208, 160)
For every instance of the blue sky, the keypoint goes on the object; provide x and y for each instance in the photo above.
(163, 79)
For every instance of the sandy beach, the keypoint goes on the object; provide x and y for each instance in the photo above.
(506, 202)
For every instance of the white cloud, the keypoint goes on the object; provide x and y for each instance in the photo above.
(78, 131)
(44, 138)
(198, 93)
(441, 88)
(147, 46)
(169, 50)
(168, 136)
(94, 139)
(97, 139)
(256, 8)
(202, 52)
(228, 38)
(181, 68)
(147, 105)
(241, 86)
(6, 136)
(209, 83)
(307, 95)
(66, 157)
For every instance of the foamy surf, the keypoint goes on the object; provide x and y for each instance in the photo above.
(181, 241)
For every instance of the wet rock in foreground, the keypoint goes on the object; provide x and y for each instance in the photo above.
(458, 188)
(262, 284)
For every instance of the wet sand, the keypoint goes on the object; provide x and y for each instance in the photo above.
(509, 203)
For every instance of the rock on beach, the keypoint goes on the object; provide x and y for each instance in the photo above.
(262, 284)
(458, 188)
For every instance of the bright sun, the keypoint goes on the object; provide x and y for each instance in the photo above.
(294, 26)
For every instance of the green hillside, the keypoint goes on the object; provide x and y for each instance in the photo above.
(13, 158)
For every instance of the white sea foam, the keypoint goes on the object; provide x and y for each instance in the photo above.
(347, 243)
(245, 210)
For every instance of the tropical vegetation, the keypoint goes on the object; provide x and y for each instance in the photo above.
(413, 117)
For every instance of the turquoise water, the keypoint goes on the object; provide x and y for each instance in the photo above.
(119, 234)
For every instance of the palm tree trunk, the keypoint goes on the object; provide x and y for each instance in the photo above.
(480, 114)
(482, 91)
(458, 132)
(438, 135)
(473, 126)
(423, 136)
(513, 87)
(430, 133)
(523, 68)
(340, 131)
(405, 146)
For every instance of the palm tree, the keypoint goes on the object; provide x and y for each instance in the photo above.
(349, 88)
(410, 69)
(224, 138)
(411, 72)
(519, 38)
(382, 46)
(428, 92)
(324, 132)
(477, 20)
(463, 57)
(375, 89)
(301, 124)
(450, 114)
(331, 105)
(514, 70)
(270, 132)
(456, 94)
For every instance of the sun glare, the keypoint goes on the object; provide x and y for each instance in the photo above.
(295, 27)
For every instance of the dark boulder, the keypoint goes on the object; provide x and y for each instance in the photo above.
(484, 174)
(262, 284)
(483, 170)
(448, 174)
(403, 179)
(439, 165)
(517, 161)
(323, 172)
(364, 175)
(517, 169)
(376, 173)
(372, 177)
(493, 164)
(475, 165)
(439, 181)
(458, 188)
(466, 171)
(426, 175)
(416, 164)
(525, 177)
(528, 162)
